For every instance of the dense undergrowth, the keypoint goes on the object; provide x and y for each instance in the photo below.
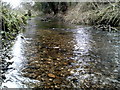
(11, 22)
(95, 13)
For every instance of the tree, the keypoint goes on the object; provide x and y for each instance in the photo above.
(49, 7)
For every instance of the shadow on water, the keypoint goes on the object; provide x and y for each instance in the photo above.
(57, 55)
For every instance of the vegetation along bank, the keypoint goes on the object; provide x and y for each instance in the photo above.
(85, 13)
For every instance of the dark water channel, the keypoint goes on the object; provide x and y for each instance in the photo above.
(57, 55)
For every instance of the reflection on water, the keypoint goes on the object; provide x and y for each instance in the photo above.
(97, 59)
(13, 76)
(16, 65)
(51, 54)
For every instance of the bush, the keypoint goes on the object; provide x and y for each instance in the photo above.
(92, 13)
(10, 22)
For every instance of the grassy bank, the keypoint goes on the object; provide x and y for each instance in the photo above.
(91, 13)
(11, 22)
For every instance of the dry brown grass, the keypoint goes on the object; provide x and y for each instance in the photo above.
(94, 13)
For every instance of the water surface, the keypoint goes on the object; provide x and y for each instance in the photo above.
(58, 55)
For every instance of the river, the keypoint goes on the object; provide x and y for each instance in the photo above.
(53, 54)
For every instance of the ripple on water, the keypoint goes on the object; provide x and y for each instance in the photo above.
(65, 58)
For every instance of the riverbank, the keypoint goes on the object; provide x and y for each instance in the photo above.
(12, 23)
(104, 16)
(93, 13)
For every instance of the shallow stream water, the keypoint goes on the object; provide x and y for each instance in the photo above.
(58, 55)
